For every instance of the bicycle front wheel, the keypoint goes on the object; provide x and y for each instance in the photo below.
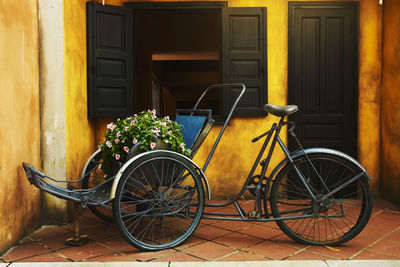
(335, 220)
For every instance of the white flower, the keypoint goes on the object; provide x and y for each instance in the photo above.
(117, 156)
(134, 141)
(117, 141)
(152, 145)
(108, 143)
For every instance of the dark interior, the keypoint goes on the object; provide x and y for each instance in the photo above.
(176, 58)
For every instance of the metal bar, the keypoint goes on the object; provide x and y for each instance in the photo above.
(221, 214)
(285, 150)
(239, 209)
(265, 220)
(341, 186)
(227, 119)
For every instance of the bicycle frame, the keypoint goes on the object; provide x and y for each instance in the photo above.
(275, 128)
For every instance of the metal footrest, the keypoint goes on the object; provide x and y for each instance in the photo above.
(93, 196)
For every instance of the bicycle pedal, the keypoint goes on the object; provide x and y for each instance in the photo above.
(253, 215)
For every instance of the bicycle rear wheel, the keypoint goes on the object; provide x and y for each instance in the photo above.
(339, 218)
(159, 201)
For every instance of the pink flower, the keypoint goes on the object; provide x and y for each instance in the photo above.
(154, 111)
(118, 134)
(135, 115)
(153, 116)
(126, 149)
(126, 128)
(134, 141)
(152, 145)
(117, 141)
(132, 122)
(108, 143)
(169, 132)
(182, 146)
(156, 131)
(117, 156)
(111, 126)
(163, 124)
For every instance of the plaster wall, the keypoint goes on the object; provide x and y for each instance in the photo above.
(52, 104)
(78, 129)
(390, 125)
(20, 119)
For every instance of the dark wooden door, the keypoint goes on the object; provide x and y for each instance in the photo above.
(244, 58)
(323, 77)
(110, 60)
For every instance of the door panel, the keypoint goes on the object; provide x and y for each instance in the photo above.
(110, 61)
(244, 58)
(323, 74)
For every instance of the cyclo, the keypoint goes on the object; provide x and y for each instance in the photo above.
(317, 196)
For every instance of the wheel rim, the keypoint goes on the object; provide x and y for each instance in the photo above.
(336, 219)
(160, 203)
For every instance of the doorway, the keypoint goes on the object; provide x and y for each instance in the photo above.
(323, 74)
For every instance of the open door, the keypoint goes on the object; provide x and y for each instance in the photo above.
(109, 61)
(244, 58)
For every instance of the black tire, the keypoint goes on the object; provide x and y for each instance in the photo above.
(159, 201)
(289, 197)
(96, 177)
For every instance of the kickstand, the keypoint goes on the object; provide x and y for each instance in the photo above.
(78, 239)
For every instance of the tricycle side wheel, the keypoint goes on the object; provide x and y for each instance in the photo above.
(96, 177)
(159, 201)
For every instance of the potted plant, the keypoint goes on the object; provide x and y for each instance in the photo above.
(141, 132)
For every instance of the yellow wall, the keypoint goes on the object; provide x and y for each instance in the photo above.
(20, 119)
(79, 132)
(390, 175)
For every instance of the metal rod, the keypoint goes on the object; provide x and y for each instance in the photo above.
(239, 209)
(286, 151)
(227, 119)
(341, 186)
(267, 220)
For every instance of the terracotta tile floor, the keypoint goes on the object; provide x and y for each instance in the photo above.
(212, 241)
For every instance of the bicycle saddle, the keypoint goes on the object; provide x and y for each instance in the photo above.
(280, 111)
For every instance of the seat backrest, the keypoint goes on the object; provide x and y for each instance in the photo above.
(195, 127)
(191, 127)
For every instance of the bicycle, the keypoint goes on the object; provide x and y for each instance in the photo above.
(317, 196)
